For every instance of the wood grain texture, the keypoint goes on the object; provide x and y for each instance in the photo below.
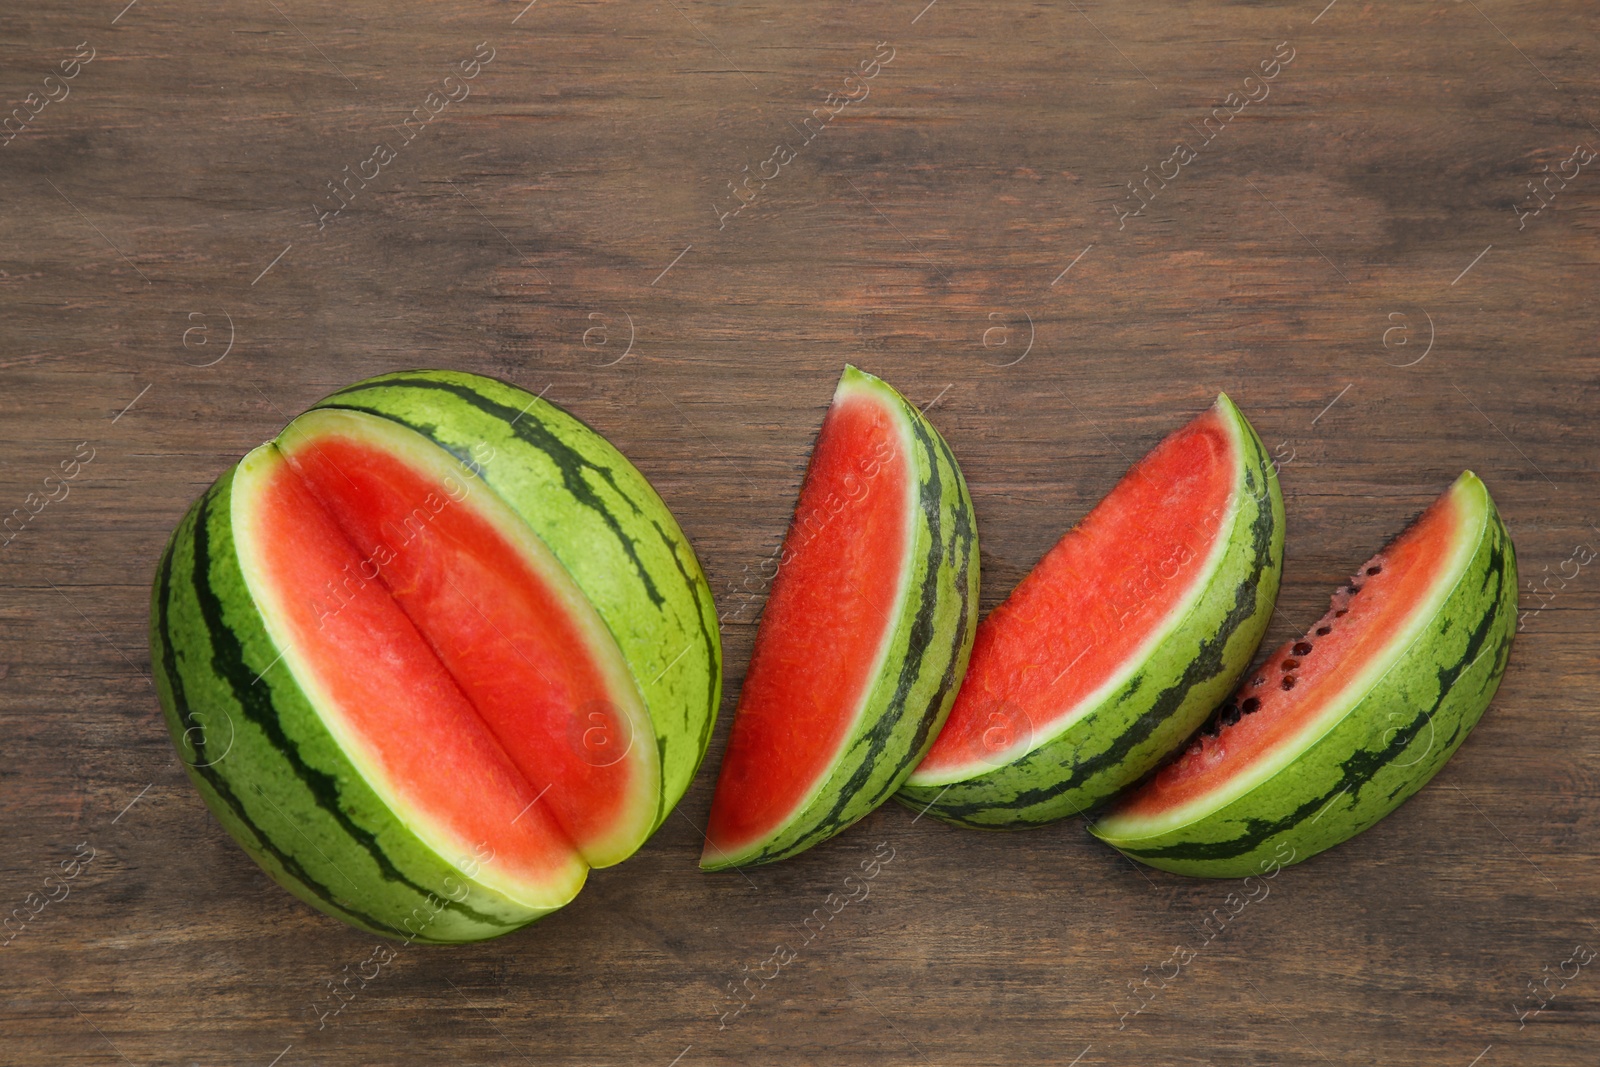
(1361, 214)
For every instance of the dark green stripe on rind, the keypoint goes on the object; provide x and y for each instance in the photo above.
(1160, 705)
(601, 519)
(927, 658)
(269, 770)
(1388, 746)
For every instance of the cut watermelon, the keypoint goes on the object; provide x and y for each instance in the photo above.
(864, 637)
(392, 692)
(1121, 640)
(1339, 727)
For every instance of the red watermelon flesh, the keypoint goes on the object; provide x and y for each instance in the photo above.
(1042, 656)
(1291, 693)
(831, 610)
(451, 653)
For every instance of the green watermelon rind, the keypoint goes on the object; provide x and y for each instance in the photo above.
(269, 769)
(601, 519)
(1164, 699)
(925, 658)
(1391, 742)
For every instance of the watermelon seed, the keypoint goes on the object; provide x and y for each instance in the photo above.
(1230, 715)
(1302, 648)
(1251, 704)
(1324, 631)
(1288, 681)
(1340, 613)
(1375, 568)
(1290, 664)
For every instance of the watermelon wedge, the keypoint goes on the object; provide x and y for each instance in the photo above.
(1120, 641)
(390, 685)
(864, 637)
(1339, 727)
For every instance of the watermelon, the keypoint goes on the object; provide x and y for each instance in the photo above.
(1340, 726)
(864, 637)
(1121, 640)
(433, 653)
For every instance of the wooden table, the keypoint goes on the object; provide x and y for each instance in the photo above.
(1347, 246)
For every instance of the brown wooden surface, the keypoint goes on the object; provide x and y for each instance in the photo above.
(1368, 200)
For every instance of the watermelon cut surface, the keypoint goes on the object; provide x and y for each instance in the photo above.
(480, 617)
(863, 639)
(1340, 726)
(393, 692)
(382, 691)
(1120, 641)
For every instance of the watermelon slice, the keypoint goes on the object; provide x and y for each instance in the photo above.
(864, 637)
(1120, 641)
(1339, 727)
(394, 693)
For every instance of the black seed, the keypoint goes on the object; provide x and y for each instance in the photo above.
(1302, 648)
(1341, 613)
(1375, 568)
(1230, 715)
(1250, 705)
(1324, 631)
(1288, 681)
(1354, 589)
(1289, 665)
